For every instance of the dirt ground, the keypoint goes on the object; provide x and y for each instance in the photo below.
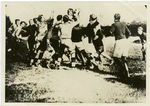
(67, 85)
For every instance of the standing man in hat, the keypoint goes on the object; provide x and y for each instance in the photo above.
(91, 30)
(95, 36)
(121, 47)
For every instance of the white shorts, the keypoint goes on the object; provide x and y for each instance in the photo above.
(68, 43)
(91, 49)
(79, 45)
(121, 48)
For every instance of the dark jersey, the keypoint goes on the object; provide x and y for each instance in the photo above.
(24, 32)
(77, 34)
(91, 34)
(55, 31)
(119, 29)
(31, 30)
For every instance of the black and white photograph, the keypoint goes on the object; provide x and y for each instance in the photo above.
(74, 52)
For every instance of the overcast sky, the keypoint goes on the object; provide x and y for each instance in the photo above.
(129, 10)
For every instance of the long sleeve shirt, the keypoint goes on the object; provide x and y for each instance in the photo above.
(119, 29)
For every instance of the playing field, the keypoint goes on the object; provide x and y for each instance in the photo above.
(67, 85)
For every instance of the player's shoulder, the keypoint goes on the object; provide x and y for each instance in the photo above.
(118, 24)
(113, 24)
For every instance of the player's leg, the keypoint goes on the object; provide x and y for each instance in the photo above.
(120, 54)
(78, 54)
(125, 51)
(125, 66)
(143, 52)
(72, 53)
(108, 57)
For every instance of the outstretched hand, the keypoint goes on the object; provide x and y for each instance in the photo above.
(99, 18)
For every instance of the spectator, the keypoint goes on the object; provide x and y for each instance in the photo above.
(142, 36)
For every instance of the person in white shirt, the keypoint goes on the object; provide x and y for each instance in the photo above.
(15, 26)
(66, 31)
(18, 30)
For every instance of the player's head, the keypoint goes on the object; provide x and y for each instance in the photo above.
(117, 17)
(17, 21)
(59, 17)
(93, 18)
(41, 18)
(140, 30)
(35, 20)
(22, 23)
(70, 11)
(65, 18)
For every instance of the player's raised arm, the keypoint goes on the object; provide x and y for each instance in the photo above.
(77, 16)
(129, 33)
(52, 15)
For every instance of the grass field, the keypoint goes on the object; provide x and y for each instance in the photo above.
(67, 85)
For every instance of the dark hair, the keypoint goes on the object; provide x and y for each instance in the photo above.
(117, 16)
(59, 17)
(70, 9)
(65, 18)
(16, 20)
(23, 22)
(39, 17)
(35, 20)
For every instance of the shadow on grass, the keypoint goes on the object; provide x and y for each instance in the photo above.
(19, 92)
(79, 66)
(138, 82)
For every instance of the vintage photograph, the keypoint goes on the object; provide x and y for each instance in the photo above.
(75, 52)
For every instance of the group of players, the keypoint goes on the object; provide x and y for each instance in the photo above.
(50, 41)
